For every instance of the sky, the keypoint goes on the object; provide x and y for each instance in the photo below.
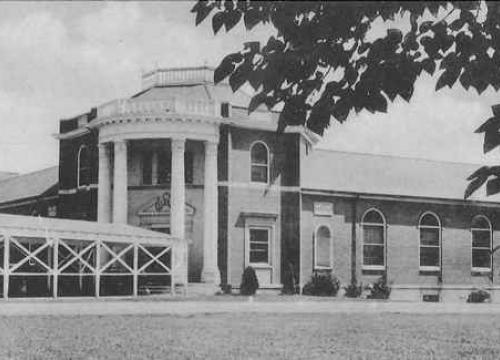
(58, 59)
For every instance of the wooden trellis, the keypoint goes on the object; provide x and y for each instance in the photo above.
(98, 260)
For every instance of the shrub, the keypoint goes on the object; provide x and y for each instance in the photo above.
(227, 289)
(249, 283)
(379, 289)
(353, 290)
(478, 296)
(322, 285)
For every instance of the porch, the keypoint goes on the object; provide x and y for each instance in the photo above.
(47, 257)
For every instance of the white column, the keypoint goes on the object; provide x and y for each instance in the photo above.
(210, 272)
(120, 183)
(177, 190)
(177, 210)
(104, 190)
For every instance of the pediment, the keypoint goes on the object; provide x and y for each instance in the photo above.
(160, 205)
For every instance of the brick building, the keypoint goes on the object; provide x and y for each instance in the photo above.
(183, 156)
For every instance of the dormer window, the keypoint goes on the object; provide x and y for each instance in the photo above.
(259, 162)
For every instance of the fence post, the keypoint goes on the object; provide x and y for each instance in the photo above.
(55, 267)
(6, 265)
(136, 270)
(173, 250)
(97, 270)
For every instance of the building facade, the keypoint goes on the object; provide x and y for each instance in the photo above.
(184, 157)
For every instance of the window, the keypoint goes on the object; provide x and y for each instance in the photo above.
(259, 163)
(322, 248)
(373, 225)
(430, 242)
(84, 169)
(259, 246)
(481, 244)
(147, 168)
(164, 168)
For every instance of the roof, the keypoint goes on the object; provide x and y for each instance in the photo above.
(388, 175)
(28, 185)
(4, 175)
(78, 229)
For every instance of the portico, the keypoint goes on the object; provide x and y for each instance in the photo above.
(171, 121)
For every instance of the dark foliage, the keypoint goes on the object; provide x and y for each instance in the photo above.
(320, 64)
(478, 296)
(379, 289)
(322, 285)
(249, 282)
(353, 290)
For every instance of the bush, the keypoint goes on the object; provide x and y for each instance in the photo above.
(353, 290)
(249, 283)
(379, 289)
(478, 296)
(322, 285)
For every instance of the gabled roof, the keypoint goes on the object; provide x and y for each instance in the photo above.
(29, 185)
(388, 175)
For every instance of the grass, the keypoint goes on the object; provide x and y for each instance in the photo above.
(252, 336)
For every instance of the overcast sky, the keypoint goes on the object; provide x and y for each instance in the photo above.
(59, 59)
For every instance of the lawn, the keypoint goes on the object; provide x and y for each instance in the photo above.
(252, 336)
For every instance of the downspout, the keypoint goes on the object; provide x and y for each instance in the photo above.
(354, 209)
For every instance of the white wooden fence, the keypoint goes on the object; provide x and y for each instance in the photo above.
(43, 257)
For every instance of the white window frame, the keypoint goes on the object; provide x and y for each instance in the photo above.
(252, 164)
(440, 228)
(315, 249)
(490, 231)
(87, 148)
(384, 228)
(270, 238)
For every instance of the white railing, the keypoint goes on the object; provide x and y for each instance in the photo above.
(56, 266)
(133, 107)
(176, 76)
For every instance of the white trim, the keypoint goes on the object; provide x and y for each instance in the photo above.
(490, 232)
(440, 230)
(268, 162)
(89, 154)
(384, 228)
(315, 248)
(270, 242)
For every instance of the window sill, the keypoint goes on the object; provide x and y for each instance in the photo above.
(260, 266)
(480, 272)
(323, 268)
(430, 271)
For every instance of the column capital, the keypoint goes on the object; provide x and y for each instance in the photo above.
(211, 147)
(120, 145)
(178, 144)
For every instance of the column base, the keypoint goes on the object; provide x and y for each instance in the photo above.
(210, 276)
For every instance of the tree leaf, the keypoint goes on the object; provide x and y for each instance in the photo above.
(218, 21)
(232, 18)
(473, 186)
(493, 186)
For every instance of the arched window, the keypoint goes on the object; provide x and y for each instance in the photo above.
(84, 168)
(430, 241)
(373, 226)
(259, 162)
(323, 248)
(481, 243)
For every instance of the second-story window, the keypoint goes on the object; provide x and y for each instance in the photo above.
(84, 166)
(259, 163)
(163, 167)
